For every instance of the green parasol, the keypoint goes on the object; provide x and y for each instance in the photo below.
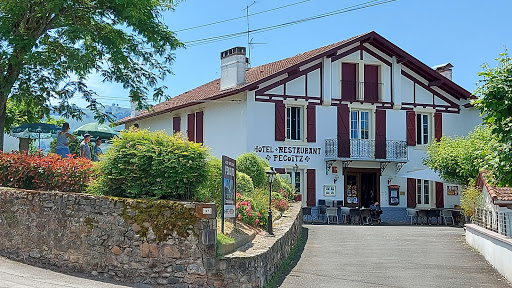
(96, 131)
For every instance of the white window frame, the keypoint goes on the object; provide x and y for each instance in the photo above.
(420, 193)
(301, 104)
(421, 128)
(359, 122)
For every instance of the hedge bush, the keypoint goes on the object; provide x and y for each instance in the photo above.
(50, 172)
(143, 164)
(254, 166)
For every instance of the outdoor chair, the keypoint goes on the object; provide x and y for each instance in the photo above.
(355, 216)
(331, 213)
(322, 211)
(447, 214)
(365, 216)
(306, 213)
(413, 214)
(345, 214)
(321, 202)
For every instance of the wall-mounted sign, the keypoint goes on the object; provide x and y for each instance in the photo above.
(228, 187)
(288, 153)
(453, 190)
(329, 190)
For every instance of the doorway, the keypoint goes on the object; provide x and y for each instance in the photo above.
(362, 187)
(297, 180)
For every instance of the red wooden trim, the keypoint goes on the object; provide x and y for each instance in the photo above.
(191, 126)
(371, 83)
(343, 131)
(439, 195)
(280, 170)
(311, 123)
(199, 127)
(311, 187)
(410, 119)
(380, 58)
(435, 93)
(349, 81)
(176, 124)
(438, 125)
(261, 91)
(346, 53)
(280, 121)
(411, 193)
(380, 134)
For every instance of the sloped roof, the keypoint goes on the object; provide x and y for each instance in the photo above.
(262, 73)
(496, 193)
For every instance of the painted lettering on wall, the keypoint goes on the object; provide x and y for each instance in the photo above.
(288, 153)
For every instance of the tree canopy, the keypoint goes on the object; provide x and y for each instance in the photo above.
(459, 159)
(49, 47)
(495, 103)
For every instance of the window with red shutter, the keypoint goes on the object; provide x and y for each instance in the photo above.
(438, 126)
(311, 123)
(280, 121)
(199, 127)
(410, 120)
(348, 81)
(176, 124)
(411, 192)
(311, 187)
(343, 131)
(191, 121)
(380, 134)
(439, 195)
(371, 83)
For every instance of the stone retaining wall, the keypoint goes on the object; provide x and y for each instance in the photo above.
(114, 238)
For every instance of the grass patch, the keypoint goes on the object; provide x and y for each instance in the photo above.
(287, 264)
(224, 239)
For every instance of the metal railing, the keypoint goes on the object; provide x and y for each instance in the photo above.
(497, 221)
(361, 91)
(364, 149)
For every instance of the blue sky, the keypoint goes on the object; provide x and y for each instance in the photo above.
(466, 33)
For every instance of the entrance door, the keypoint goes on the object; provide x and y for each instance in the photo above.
(297, 180)
(361, 187)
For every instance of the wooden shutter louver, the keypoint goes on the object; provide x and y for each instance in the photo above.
(411, 128)
(438, 126)
(411, 193)
(280, 118)
(439, 195)
(311, 188)
(380, 134)
(343, 131)
(311, 123)
(199, 127)
(348, 81)
(371, 83)
(280, 170)
(176, 124)
(191, 121)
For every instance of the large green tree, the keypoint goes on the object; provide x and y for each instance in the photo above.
(49, 47)
(459, 159)
(495, 103)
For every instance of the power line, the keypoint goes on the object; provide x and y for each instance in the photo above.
(241, 17)
(363, 5)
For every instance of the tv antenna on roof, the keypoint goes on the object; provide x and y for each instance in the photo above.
(249, 39)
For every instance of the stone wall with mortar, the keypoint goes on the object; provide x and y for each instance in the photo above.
(122, 239)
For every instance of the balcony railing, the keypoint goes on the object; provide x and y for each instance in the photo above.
(364, 149)
(361, 91)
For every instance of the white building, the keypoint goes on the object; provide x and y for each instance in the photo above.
(345, 120)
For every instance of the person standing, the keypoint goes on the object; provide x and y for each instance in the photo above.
(96, 151)
(85, 150)
(63, 139)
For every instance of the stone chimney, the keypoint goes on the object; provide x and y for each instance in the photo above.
(444, 69)
(233, 65)
(134, 111)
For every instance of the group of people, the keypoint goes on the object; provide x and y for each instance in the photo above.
(64, 138)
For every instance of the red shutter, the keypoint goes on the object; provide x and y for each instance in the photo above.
(176, 124)
(411, 128)
(311, 187)
(191, 126)
(439, 195)
(348, 81)
(199, 127)
(411, 192)
(371, 83)
(311, 111)
(343, 132)
(438, 129)
(280, 170)
(280, 121)
(380, 134)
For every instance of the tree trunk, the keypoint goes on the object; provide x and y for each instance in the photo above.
(3, 116)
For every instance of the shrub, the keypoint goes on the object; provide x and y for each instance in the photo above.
(254, 166)
(244, 184)
(248, 213)
(280, 205)
(40, 172)
(471, 199)
(283, 186)
(143, 164)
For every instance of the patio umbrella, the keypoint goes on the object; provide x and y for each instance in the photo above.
(96, 130)
(425, 174)
(36, 131)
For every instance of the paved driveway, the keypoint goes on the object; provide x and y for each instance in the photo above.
(390, 256)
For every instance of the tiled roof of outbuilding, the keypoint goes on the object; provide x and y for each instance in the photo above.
(496, 193)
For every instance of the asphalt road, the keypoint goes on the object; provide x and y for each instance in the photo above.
(390, 256)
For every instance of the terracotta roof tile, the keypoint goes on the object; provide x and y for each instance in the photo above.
(212, 89)
(496, 193)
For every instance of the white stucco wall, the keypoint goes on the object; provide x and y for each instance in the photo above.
(158, 123)
(453, 126)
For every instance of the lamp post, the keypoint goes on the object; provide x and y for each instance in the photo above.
(271, 175)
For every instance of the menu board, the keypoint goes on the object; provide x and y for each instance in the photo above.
(352, 194)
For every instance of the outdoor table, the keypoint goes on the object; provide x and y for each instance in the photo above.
(456, 214)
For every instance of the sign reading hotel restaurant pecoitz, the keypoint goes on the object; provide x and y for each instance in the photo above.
(228, 187)
(288, 153)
